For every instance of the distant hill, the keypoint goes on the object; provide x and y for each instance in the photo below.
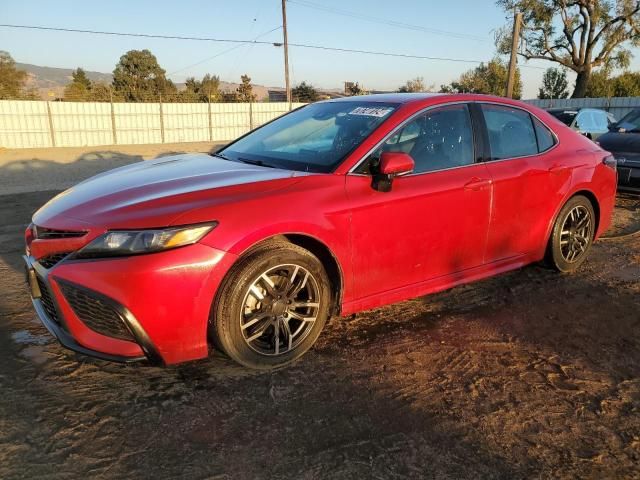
(50, 81)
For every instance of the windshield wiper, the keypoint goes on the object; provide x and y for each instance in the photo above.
(220, 155)
(259, 163)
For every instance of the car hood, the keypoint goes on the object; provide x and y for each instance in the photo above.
(155, 193)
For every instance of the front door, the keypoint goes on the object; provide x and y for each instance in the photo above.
(434, 221)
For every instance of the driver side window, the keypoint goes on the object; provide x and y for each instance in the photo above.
(439, 139)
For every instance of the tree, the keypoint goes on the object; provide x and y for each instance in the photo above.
(578, 34)
(80, 87)
(353, 89)
(602, 84)
(12, 79)
(627, 84)
(554, 84)
(304, 92)
(205, 90)
(245, 90)
(415, 85)
(139, 78)
(490, 78)
(79, 76)
(101, 92)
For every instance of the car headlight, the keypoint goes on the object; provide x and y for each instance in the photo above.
(118, 243)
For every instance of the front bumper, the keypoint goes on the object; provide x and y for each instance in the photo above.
(57, 327)
(164, 300)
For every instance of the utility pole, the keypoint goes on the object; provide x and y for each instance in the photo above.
(517, 21)
(286, 52)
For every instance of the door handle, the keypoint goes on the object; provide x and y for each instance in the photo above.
(477, 183)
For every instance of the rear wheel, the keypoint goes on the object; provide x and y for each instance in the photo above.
(572, 234)
(272, 306)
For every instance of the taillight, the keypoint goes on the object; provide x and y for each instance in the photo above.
(611, 162)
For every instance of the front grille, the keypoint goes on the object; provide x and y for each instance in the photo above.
(47, 301)
(96, 313)
(51, 260)
(49, 233)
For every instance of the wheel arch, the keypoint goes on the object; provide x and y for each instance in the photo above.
(319, 249)
(583, 192)
(594, 203)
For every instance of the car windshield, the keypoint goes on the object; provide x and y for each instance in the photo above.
(630, 122)
(564, 116)
(314, 138)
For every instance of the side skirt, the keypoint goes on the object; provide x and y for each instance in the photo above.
(437, 284)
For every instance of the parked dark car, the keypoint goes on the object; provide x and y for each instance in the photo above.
(591, 122)
(623, 141)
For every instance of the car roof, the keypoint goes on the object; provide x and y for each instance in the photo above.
(388, 97)
(407, 98)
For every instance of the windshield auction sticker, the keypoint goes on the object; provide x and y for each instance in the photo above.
(371, 111)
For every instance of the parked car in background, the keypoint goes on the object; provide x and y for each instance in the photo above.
(623, 141)
(335, 208)
(591, 122)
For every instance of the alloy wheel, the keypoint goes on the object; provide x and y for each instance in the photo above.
(576, 233)
(279, 309)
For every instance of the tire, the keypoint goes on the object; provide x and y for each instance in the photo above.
(295, 305)
(572, 235)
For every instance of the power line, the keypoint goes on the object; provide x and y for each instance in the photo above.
(143, 35)
(223, 52)
(393, 23)
(255, 42)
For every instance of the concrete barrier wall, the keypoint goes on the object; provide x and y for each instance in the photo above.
(37, 124)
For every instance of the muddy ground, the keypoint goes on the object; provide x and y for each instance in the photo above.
(528, 375)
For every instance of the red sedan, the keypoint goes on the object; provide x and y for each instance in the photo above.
(334, 208)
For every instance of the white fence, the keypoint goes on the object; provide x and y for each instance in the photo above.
(618, 106)
(33, 124)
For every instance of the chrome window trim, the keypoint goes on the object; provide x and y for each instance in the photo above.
(458, 102)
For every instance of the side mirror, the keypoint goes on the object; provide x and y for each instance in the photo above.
(392, 164)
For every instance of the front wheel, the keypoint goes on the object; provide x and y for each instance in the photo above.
(272, 306)
(572, 234)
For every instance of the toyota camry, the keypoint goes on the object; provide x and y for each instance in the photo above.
(334, 208)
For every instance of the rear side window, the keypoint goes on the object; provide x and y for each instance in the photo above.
(545, 138)
(511, 132)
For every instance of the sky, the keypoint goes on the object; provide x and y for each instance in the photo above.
(472, 22)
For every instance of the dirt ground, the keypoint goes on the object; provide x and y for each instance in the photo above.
(36, 169)
(528, 375)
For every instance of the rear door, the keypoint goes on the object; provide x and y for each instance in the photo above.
(434, 221)
(528, 176)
